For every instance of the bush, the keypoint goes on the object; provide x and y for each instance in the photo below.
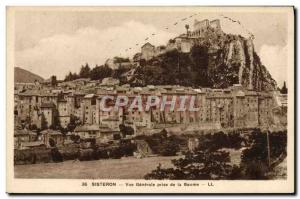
(87, 154)
(127, 148)
(103, 153)
(56, 155)
(115, 153)
(32, 156)
(255, 161)
(200, 165)
(215, 141)
(70, 152)
(255, 170)
(259, 151)
(163, 145)
(169, 148)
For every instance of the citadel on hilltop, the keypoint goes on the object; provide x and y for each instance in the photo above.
(183, 42)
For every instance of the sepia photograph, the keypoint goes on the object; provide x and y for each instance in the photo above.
(150, 99)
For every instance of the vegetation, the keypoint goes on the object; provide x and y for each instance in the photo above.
(126, 130)
(209, 161)
(44, 123)
(97, 73)
(121, 59)
(100, 72)
(258, 152)
(162, 144)
(284, 89)
(219, 140)
(53, 81)
(74, 121)
(174, 67)
(199, 165)
(71, 76)
(85, 71)
(206, 65)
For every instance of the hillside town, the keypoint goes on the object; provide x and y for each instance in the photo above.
(58, 114)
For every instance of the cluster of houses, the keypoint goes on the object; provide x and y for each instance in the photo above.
(235, 107)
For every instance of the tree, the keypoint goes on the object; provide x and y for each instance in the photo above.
(187, 29)
(258, 152)
(74, 121)
(53, 80)
(284, 89)
(52, 143)
(201, 165)
(121, 59)
(169, 148)
(117, 73)
(56, 122)
(126, 130)
(85, 71)
(75, 138)
(33, 127)
(68, 77)
(71, 76)
(100, 72)
(44, 123)
(55, 153)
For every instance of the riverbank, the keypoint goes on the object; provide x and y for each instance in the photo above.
(124, 168)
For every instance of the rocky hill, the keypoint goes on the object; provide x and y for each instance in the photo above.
(24, 76)
(215, 60)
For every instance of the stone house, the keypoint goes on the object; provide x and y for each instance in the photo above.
(63, 112)
(22, 136)
(148, 51)
(49, 113)
(99, 134)
(89, 109)
(88, 131)
(50, 134)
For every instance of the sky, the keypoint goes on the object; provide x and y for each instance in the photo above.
(54, 42)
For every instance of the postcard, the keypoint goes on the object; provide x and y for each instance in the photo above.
(150, 100)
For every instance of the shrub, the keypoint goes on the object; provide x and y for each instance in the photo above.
(127, 148)
(255, 170)
(259, 148)
(213, 142)
(169, 148)
(200, 165)
(56, 155)
(87, 154)
(70, 152)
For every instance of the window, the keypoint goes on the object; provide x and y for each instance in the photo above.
(94, 101)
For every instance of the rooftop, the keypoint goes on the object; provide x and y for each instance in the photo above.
(47, 105)
(86, 128)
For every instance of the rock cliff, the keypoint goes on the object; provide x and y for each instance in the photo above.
(215, 60)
